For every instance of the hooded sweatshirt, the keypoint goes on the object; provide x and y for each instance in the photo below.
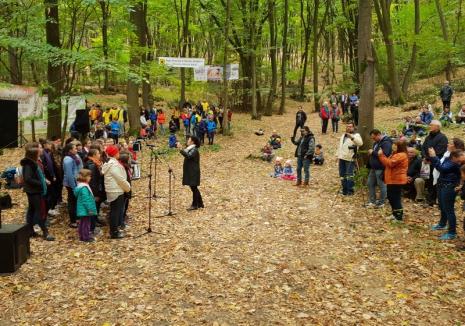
(115, 180)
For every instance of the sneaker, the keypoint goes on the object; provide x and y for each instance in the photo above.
(379, 205)
(118, 235)
(73, 225)
(391, 218)
(438, 227)
(448, 236)
(369, 205)
(49, 237)
(36, 228)
(53, 212)
(90, 240)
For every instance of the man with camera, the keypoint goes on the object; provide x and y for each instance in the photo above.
(346, 155)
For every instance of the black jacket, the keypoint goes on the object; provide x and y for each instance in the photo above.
(32, 183)
(96, 183)
(446, 93)
(191, 167)
(307, 144)
(300, 118)
(438, 141)
(386, 145)
(414, 167)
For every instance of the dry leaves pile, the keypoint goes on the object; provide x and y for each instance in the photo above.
(261, 252)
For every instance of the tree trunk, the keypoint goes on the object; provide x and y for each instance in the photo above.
(16, 76)
(225, 126)
(105, 7)
(136, 18)
(185, 40)
(445, 35)
(413, 59)
(253, 54)
(367, 72)
(273, 58)
(316, 95)
(53, 70)
(284, 59)
(307, 33)
(143, 43)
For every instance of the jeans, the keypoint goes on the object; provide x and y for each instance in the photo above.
(197, 201)
(305, 164)
(335, 125)
(33, 211)
(324, 126)
(394, 195)
(346, 173)
(211, 137)
(375, 178)
(116, 214)
(446, 198)
(71, 205)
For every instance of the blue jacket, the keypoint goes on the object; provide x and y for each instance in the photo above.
(353, 99)
(386, 145)
(172, 141)
(449, 172)
(203, 126)
(115, 127)
(85, 201)
(211, 126)
(70, 172)
(426, 117)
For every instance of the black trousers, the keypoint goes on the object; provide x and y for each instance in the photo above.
(324, 126)
(71, 205)
(116, 214)
(445, 104)
(196, 197)
(432, 189)
(33, 211)
(394, 195)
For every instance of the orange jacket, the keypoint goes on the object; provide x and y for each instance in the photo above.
(161, 118)
(396, 166)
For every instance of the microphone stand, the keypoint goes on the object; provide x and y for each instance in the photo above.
(170, 188)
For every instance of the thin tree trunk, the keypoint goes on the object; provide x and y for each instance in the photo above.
(316, 95)
(185, 38)
(284, 59)
(225, 126)
(274, 66)
(104, 6)
(367, 72)
(445, 35)
(307, 33)
(53, 70)
(253, 49)
(413, 59)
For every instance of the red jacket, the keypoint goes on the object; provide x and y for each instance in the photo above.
(396, 167)
(325, 113)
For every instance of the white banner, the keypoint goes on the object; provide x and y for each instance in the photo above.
(28, 100)
(181, 62)
(215, 73)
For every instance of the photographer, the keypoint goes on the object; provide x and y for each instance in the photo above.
(346, 153)
(304, 153)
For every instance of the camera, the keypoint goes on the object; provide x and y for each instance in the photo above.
(353, 147)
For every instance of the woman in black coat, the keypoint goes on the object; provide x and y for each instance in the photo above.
(191, 170)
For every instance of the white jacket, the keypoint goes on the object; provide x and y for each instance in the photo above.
(116, 183)
(343, 152)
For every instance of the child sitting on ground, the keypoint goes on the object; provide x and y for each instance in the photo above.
(86, 208)
(318, 157)
(446, 117)
(288, 171)
(278, 167)
(267, 153)
(275, 140)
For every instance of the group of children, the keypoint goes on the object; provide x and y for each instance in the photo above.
(95, 175)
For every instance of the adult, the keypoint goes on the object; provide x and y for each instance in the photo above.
(454, 144)
(415, 187)
(304, 154)
(438, 141)
(72, 164)
(325, 115)
(116, 185)
(300, 119)
(376, 174)
(395, 175)
(35, 186)
(50, 175)
(333, 100)
(95, 113)
(449, 179)
(446, 94)
(191, 170)
(460, 118)
(335, 117)
(96, 184)
(346, 153)
(82, 124)
(426, 116)
(344, 100)
(106, 116)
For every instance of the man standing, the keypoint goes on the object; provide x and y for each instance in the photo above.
(446, 95)
(304, 153)
(375, 176)
(438, 141)
(348, 145)
(300, 119)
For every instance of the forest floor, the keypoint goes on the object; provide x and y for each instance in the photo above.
(261, 252)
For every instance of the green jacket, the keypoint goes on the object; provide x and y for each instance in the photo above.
(85, 201)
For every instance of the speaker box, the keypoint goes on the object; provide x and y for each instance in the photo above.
(9, 124)
(15, 247)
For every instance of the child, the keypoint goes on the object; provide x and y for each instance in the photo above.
(124, 159)
(288, 171)
(278, 167)
(275, 140)
(85, 207)
(202, 130)
(161, 121)
(114, 129)
(267, 153)
(211, 129)
(318, 158)
(172, 140)
(173, 127)
(446, 117)
(100, 131)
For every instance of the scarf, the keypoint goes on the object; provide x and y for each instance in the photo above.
(41, 175)
(98, 163)
(83, 184)
(76, 158)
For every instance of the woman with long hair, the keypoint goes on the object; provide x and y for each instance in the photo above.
(72, 164)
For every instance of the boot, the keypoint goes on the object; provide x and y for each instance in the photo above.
(305, 184)
(298, 183)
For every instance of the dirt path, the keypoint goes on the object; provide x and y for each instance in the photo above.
(261, 252)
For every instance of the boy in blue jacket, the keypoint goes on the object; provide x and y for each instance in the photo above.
(85, 206)
(211, 129)
(115, 129)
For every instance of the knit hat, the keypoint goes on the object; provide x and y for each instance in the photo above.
(112, 150)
